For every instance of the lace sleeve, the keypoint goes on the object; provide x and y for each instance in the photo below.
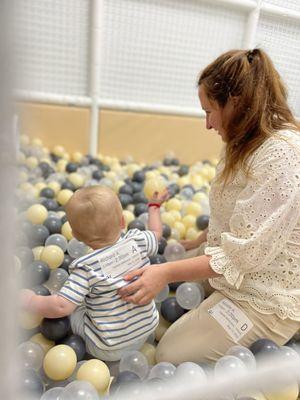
(265, 213)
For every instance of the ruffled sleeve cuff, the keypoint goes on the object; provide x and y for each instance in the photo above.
(221, 264)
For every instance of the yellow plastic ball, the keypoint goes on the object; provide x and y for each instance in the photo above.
(131, 169)
(96, 372)
(192, 234)
(179, 226)
(23, 176)
(26, 186)
(45, 343)
(37, 214)
(208, 173)
(37, 142)
(128, 216)
(66, 230)
(154, 185)
(173, 204)
(54, 186)
(176, 214)
(76, 179)
(197, 181)
(149, 352)
(150, 175)
(61, 165)
(193, 208)
(59, 151)
(184, 180)
(64, 196)
(289, 393)
(189, 221)
(199, 196)
(117, 185)
(168, 218)
(31, 162)
(52, 255)
(77, 156)
(60, 362)
(29, 321)
(40, 185)
(37, 251)
(161, 328)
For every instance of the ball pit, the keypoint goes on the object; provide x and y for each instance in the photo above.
(46, 247)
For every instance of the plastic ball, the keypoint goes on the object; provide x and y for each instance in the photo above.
(45, 343)
(189, 295)
(53, 224)
(128, 217)
(29, 321)
(174, 251)
(188, 372)
(162, 370)
(76, 249)
(171, 310)
(154, 185)
(36, 273)
(57, 279)
(29, 385)
(64, 196)
(53, 256)
(55, 328)
(79, 390)
(37, 252)
(60, 362)
(229, 366)
(53, 394)
(36, 214)
(76, 179)
(202, 222)
(57, 240)
(66, 230)
(30, 355)
(134, 361)
(77, 344)
(193, 208)
(244, 355)
(149, 352)
(162, 295)
(96, 372)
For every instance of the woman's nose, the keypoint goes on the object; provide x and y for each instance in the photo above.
(208, 124)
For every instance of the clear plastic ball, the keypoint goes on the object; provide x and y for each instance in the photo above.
(244, 354)
(136, 362)
(79, 390)
(30, 355)
(174, 251)
(229, 367)
(56, 280)
(189, 295)
(76, 248)
(162, 295)
(162, 370)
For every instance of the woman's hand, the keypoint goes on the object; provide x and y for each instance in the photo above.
(151, 280)
(190, 244)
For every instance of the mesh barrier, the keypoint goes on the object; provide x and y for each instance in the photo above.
(52, 45)
(154, 49)
(281, 39)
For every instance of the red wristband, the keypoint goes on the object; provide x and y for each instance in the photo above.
(157, 205)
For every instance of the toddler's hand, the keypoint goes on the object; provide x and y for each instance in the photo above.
(160, 197)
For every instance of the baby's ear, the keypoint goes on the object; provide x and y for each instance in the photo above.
(123, 223)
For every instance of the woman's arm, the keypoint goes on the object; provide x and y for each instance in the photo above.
(193, 244)
(155, 277)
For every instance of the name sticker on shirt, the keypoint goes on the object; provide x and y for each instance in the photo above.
(121, 259)
(231, 318)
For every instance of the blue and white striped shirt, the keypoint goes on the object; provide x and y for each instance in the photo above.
(94, 280)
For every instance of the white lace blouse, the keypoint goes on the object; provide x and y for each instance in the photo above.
(254, 230)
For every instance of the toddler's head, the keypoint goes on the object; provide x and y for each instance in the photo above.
(95, 216)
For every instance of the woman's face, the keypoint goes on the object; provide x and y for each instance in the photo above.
(215, 115)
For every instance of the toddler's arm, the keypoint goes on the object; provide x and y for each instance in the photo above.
(154, 220)
(53, 306)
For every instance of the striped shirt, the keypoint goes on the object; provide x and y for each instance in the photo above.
(94, 280)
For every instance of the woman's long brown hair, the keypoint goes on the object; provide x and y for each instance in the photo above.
(261, 109)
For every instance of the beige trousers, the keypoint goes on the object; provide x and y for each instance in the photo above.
(199, 337)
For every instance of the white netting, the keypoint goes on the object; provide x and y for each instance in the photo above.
(290, 4)
(154, 49)
(52, 45)
(281, 39)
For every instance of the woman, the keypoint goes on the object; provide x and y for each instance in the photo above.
(252, 257)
